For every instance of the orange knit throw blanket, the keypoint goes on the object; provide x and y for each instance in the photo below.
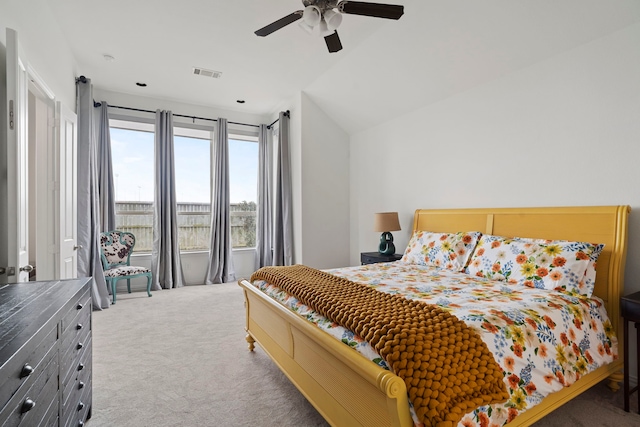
(447, 368)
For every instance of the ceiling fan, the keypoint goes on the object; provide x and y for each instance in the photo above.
(323, 17)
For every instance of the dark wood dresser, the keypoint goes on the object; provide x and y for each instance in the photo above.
(45, 353)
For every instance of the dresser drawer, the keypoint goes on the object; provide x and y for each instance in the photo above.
(46, 410)
(72, 391)
(77, 415)
(71, 347)
(78, 380)
(25, 365)
(80, 324)
(31, 402)
(80, 308)
(84, 413)
(51, 417)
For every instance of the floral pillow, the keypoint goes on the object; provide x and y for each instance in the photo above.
(444, 250)
(535, 263)
(588, 282)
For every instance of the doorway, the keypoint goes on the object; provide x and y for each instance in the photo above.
(41, 183)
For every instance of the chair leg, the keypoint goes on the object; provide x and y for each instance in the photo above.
(149, 285)
(129, 285)
(113, 289)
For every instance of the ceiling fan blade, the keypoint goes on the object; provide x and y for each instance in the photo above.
(282, 22)
(377, 10)
(333, 42)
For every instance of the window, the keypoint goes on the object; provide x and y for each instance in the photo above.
(192, 150)
(132, 159)
(132, 150)
(243, 188)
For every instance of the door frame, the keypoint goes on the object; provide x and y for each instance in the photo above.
(47, 173)
(14, 246)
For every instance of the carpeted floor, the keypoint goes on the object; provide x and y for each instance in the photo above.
(180, 359)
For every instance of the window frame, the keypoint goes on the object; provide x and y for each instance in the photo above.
(192, 130)
(187, 129)
(247, 136)
(138, 124)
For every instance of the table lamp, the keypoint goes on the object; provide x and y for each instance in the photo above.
(385, 222)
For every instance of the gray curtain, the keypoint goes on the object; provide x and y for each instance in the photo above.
(89, 263)
(264, 226)
(105, 171)
(165, 256)
(220, 268)
(283, 226)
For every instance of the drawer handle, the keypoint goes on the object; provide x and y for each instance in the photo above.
(80, 385)
(79, 326)
(80, 423)
(80, 345)
(26, 370)
(80, 406)
(27, 405)
(81, 367)
(79, 307)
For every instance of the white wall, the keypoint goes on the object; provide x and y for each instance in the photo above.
(564, 131)
(43, 44)
(325, 189)
(320, 185)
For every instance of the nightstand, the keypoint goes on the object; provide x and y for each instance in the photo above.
(630, 311)
(375, 257)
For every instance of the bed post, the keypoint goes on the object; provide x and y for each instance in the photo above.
(614, 380)
(616, 287)
(248, 338)
(251, 342)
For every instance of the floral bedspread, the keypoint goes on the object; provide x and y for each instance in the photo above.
(543, 340)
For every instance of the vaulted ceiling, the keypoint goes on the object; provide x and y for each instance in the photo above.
(387, 68)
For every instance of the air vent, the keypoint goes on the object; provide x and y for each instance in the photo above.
(206, 73)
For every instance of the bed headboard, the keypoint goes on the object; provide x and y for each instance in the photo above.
(594, 224)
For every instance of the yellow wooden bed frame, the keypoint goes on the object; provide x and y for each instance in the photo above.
(349, 390)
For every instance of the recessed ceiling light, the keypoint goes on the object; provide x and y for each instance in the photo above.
(141, 84)
(240, 101)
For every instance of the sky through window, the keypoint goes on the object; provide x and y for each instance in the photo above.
(133, 170)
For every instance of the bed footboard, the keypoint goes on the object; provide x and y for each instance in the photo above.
(346, 388)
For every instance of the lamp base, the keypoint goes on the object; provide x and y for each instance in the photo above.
(386, 246)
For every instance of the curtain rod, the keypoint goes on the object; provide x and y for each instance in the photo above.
(97, 104)
(286, 113)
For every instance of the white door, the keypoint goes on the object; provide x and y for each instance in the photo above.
(14, 247)
(66, 123)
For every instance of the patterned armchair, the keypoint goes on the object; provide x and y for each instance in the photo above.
(116, 247)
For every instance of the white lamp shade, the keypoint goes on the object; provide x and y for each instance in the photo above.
(311, 16)
(333, 19)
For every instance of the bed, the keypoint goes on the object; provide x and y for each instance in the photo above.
(350, 390)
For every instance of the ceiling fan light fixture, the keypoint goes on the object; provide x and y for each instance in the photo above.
(333, 19)
(322, 18)
(308, 28)
(311, 15)
(324, 30)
